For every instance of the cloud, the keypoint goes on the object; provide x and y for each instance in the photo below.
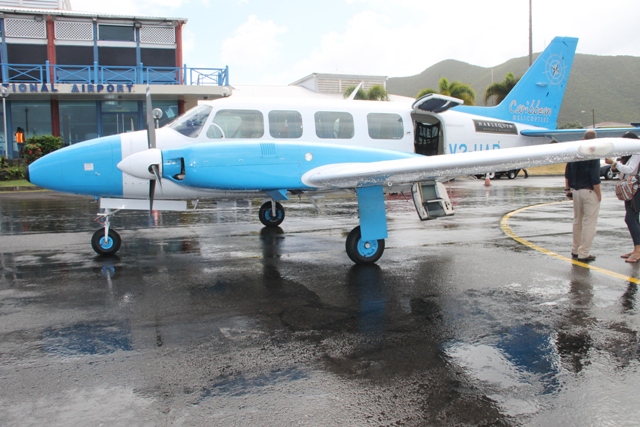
(370, 44)
(254, 43)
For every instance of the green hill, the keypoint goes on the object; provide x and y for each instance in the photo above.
(601, 83)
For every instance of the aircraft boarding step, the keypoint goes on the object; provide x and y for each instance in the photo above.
(431, 200)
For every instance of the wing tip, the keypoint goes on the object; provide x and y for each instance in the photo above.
(597, 149)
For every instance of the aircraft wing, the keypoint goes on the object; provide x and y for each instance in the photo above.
(563, 135)
(417, 169)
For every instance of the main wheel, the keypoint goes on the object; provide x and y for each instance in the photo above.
(363, 252)
(266, 215)
(512, 174)
(492, 175)
(106, 246)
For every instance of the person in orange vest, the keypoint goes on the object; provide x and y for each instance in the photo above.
(20, 140)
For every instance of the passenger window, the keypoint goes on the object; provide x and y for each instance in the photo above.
(285, 124)
(334, 125)
(385, 126)
(240, 123)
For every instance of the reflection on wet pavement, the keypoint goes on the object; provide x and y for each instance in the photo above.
(207, 318)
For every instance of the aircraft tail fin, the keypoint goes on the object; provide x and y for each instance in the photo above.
(537, 97)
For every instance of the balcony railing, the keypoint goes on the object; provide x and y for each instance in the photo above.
(102, 74)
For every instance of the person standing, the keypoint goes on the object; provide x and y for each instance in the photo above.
(627, 168)
(20, 141)
(582, 184)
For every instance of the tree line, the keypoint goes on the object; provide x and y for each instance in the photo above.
(495, 92)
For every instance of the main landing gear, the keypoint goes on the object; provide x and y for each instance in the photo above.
(363, 252)
(106, 241)
(271, 214)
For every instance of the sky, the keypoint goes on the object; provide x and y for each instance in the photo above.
(276, 42)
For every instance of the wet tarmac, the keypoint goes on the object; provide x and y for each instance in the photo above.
(207, 318)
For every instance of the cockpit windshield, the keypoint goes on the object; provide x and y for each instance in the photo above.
(190, 123)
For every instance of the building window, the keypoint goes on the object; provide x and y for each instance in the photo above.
(74, 55)
(123, 33)
(285, 124)
(385, 126)
(240, 123)
(78, 121)
(32, 116)
(169, 111)
(158, 57)
(334, 125)
(117, 56)
(119, 117)
(27, 53)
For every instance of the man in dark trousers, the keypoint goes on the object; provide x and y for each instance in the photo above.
(20, 141)
(582, 184)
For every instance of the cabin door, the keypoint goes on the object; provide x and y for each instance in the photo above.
(427, 138)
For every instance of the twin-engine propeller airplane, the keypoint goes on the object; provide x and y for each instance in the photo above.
(272, 148)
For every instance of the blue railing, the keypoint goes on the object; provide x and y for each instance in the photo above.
(101, 74)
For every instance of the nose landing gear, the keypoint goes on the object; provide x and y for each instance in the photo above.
(106, 241)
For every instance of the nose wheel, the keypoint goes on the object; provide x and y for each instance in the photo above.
(106, 243)
(361, 251)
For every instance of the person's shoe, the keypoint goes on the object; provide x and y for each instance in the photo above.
(574, 256)
(588, 258)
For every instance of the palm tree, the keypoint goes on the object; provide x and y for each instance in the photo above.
(360, 95)
(375, 93)
(498, 91)
(456, 89)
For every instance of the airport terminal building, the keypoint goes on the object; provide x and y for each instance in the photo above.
(80, 75)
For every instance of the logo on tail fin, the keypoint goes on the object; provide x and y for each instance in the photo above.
(555, 69)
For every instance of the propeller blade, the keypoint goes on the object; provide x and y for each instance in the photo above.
(152, 191)
(156, 171)
(151, 129)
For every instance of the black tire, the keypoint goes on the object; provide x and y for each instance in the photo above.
(512, 174)
(266, 215)
(107, 247)
(492, 175)
(608, 174)
(363, 252)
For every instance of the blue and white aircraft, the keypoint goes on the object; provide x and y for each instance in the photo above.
(240, 147)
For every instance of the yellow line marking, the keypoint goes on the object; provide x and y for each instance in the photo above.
(504, 225)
